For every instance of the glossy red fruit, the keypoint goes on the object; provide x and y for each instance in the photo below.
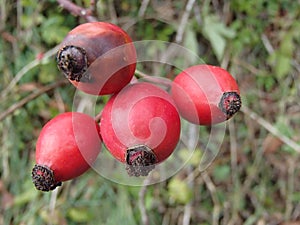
(66, 147)
(140, 126)
(98, 58)
(206, 94)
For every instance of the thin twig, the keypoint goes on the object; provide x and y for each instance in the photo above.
(142, 194)
(187, 214)
(212, 190)
(246, 65)
(267, 44)
(234, 173)
(296, 65)
(193, 136)
(143, 8)
(184, 21)
(180, 31)
(112, 12)
(166, 83)
(26, 69)
(30, 97)
(272, 129)
(197, 14)
(251, 177)
(60, 102)
(290, 187)
(93, 4)
(98, 117)
(52, 202)
(270, 49)
(233, 151)
(77, 10)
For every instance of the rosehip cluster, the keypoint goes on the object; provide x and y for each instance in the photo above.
(140, 125)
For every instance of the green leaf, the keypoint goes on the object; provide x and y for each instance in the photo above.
(221, 173)
(193, 158)
(266, 81)
(282, 66)
(80, 215)
(25, 197)
(54, 218)
(179, 191)
(53, 31)
(296, 197)
(283, 126)
(287, 45)
(281, 58)
(122, 212)
(48, 72)
(217, 34)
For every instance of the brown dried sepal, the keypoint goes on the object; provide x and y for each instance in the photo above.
(140, 160)
(230, 103)
(73, 62)
(43, 178)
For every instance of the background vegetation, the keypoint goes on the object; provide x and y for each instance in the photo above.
(254, 180)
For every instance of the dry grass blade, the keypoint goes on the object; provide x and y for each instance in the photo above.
(272, 129)
(27, 68)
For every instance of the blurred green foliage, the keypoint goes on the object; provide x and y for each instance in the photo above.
(252, 181)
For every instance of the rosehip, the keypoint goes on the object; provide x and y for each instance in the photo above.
(206, 94)
(66, 147)
(98, 58)
(140, 126)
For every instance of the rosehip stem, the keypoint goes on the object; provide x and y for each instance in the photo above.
(98, 116)
(152, 79)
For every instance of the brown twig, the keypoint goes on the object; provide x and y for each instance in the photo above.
(234, 167)
(290, 186)
(166, 83)
(272, 129)
(30, 97)
(77, 10)
(213, 192)
(143, 8)
(112, 12)
(184, 21)
(26, 69)
(98, 117)
(192, 139)
(93, 4)
(142, 194)
(180, 31)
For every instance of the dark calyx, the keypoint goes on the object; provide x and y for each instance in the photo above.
(230, 103)
(73, 62)
(43, 178)
(140, 160)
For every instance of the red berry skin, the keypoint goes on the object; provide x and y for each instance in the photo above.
(142, 114)
(98, 58)
(206, 95)
(67, 145)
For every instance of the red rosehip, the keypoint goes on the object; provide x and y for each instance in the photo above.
(206, 94)
(98, 58)
(66, 147)
(140, 126)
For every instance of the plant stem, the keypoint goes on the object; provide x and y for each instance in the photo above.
(152, 79)
(272, 129)
(30, 97)
(77, 10)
